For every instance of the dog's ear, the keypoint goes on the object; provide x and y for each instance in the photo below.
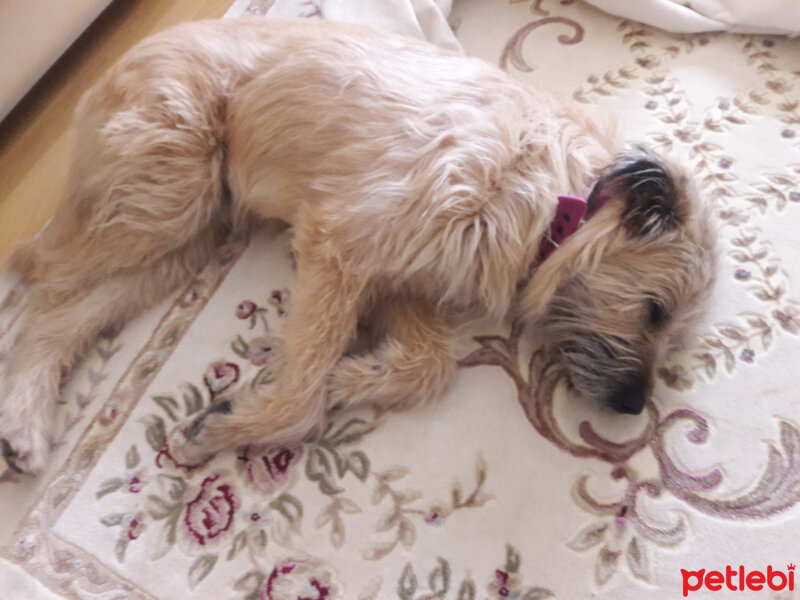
(653, 198)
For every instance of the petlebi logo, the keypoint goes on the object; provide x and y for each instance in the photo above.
(738, 579)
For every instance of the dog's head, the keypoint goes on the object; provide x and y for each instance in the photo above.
(631, 282)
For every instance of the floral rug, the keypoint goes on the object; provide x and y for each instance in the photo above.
(505, 488)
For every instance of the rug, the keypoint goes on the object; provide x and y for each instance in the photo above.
(504, 488)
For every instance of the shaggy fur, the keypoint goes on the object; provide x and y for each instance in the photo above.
(419, 183)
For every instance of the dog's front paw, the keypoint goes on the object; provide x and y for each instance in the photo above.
(194, 441)
(25, 448)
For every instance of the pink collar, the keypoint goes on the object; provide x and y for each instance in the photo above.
(571, 213)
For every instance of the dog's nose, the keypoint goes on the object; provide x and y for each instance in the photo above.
(630, 399)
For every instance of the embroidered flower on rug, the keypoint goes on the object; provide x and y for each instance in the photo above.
(131, 527)
(252, 312)
(437, 515)
(262, 350)
(621, 532)
(256, 516)
(507, 582)
(191, 296)
(264, 471)
(220, 376)
(259, 523)
(280, 300)
(133, 480)
(292, 579)
(504, 585)
(109, 414)
(246, 309)
(134, 525)
(209, 512)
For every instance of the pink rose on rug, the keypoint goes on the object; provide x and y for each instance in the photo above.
(265, 471)
(299, 579)
(246, 309)
(280, 300)
(209, 515)
(504, 585)
(220, 376)
(134, 525)
(134, 480)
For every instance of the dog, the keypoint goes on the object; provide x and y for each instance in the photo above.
(421, 185)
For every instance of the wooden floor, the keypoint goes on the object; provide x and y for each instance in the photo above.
(34, 140)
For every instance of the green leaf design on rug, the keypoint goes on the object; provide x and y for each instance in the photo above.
(201, 568)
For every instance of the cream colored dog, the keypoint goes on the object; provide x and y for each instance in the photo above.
(420, 184)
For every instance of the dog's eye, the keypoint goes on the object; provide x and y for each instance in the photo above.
(657, 315)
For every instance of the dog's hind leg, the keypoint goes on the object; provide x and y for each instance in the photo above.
(143, 208)
(58, 328)
(322, 322)
(413, 364)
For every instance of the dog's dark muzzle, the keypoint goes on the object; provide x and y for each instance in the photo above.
(630, 399)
